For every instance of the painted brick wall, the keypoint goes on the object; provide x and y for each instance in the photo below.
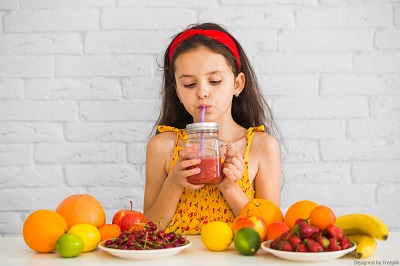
(79, 83)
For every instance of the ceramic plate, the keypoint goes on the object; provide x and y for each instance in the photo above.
(144, 254)
(307, 256)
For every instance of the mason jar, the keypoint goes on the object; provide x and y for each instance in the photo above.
(204, 138)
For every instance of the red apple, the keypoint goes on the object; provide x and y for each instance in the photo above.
(256, 222)
(129, 219)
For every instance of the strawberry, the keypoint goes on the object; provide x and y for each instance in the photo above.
(333, 245)
(288, 235)
(345, 242)
(323, 241)
(300, 220)
(334, 231)
(276, 243)
(301, 248)
(313, 246)
(286, 246)
(294, 241)
(304, 230)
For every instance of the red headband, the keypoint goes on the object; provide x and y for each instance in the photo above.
(219, 36)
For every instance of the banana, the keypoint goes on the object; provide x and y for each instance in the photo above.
(363, 223)
(366, 245)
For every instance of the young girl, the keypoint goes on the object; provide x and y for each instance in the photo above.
(204, 66)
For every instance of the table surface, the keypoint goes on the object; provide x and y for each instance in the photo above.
(14, 251)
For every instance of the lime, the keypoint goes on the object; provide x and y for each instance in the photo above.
(216, 235)
(88, 233)
(69, 245)
(247, 241)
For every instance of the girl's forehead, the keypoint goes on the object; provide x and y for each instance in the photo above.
(200, 59)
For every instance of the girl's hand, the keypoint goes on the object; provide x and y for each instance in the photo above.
(180, 173)
(232, 168)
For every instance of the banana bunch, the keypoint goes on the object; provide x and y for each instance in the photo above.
(363, 229)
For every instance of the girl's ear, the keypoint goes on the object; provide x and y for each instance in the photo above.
(239, 83)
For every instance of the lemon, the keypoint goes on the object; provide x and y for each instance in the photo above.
(216, 235)
(69, 245)
(89, 234)
(247, 241)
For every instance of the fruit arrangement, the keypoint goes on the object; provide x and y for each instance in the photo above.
(305, 227)
(77, 225)
(75, 221)
(304, 237)
(146, 238)
(247, 231)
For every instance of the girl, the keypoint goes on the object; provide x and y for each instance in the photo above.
(204, 66)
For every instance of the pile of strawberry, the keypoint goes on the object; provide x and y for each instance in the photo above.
(308, 238)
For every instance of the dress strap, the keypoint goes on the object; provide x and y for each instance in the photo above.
(180, 133)
(249, 136)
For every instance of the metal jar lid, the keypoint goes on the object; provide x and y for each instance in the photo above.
(202, 126)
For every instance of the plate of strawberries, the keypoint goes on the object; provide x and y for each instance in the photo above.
(308, 243)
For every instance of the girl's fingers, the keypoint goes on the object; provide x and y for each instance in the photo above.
(188, 163)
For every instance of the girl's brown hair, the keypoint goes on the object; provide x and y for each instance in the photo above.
(248, 110)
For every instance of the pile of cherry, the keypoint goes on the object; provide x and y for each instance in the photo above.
(146, 237)
(308, 238)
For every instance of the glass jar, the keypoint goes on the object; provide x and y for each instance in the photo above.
(204, 138)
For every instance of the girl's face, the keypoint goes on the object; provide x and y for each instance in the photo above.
(204, 79)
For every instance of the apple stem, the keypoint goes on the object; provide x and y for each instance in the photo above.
(131, 204)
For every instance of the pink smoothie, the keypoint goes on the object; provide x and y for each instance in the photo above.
(210, 172)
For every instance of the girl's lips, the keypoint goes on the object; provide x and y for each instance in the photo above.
(207, 108)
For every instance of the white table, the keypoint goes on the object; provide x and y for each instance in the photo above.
(14, 251)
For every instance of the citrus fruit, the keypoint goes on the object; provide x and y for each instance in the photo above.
(109, 231)
(42, 228)
(216, 235)
(276, 229)
(322, 217)
(89, 234)
(69, 245)
(299, 209)
(247, 241)
(268, 210)
(82, 209)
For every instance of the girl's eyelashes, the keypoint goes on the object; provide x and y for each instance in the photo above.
(212, 82)
(191, 85)
(215, 82)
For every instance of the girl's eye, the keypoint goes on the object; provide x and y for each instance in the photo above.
(215, 82)
(191, 85)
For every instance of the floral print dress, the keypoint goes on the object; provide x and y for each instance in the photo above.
(198, 207)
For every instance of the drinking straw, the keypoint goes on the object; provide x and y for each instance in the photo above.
(202, 112)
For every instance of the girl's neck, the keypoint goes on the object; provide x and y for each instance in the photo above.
(231, 131)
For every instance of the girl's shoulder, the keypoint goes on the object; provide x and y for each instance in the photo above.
(264, 142)
(162, 141)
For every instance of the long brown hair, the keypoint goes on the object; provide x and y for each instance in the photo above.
(248, 110)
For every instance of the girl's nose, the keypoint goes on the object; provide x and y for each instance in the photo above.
(202, 95)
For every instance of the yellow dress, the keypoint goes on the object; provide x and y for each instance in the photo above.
(198, 207)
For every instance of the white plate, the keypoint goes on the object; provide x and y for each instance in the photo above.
(144, 254)
(307, 256)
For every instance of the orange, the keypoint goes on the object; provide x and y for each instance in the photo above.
(322, 217)
(276, 229)
(82, 209)
(268, 210)
(109, 231)
(299, 209)
(42, 228)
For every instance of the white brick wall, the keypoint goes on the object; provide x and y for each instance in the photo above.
(79, 83)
